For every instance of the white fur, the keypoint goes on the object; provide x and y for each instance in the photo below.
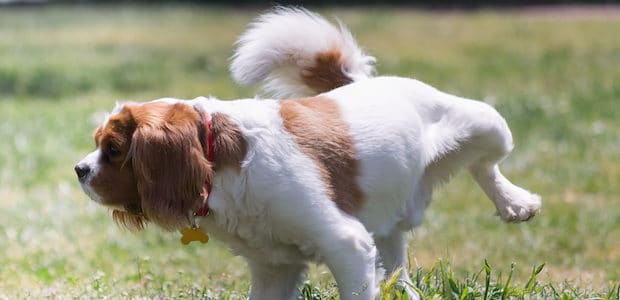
(408, 137)
(279, 45)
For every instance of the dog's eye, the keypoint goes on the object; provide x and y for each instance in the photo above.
(113, 151)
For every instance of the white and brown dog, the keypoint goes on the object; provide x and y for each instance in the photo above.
(337, 173)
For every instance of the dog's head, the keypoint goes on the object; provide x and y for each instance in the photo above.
(149, 164)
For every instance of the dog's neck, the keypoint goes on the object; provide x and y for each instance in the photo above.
(208, 145)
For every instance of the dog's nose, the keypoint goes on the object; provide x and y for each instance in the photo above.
(82, 171)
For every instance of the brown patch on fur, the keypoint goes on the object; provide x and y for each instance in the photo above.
(115, 181)
(153, 166)
(326, 74)
(320, 132)
(171, 170)
(230, 147)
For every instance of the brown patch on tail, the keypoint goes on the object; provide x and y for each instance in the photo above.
(317, 127)
(326, 73)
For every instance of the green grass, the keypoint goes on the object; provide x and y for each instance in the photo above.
(555, 78)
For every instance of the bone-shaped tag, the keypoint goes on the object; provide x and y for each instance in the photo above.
(189, 235)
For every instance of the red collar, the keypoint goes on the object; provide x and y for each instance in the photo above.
(204, 209)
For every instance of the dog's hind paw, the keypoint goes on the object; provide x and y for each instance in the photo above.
(520, 209)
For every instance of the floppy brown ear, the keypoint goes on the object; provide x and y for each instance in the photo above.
(170, 168)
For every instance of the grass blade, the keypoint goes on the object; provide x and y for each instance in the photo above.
(487, 280)
(507, 285)
(531, 283)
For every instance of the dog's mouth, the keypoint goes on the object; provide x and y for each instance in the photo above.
(90, 193)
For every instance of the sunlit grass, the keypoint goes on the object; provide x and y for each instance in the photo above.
(557, 82)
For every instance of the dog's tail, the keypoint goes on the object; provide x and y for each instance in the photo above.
(297, 53)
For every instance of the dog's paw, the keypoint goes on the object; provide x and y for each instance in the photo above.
(519, 209)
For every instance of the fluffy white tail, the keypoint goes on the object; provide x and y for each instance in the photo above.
(297, 53)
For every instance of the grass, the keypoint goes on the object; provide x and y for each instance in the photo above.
(555, 78)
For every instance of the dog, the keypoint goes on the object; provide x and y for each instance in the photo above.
(336, 169)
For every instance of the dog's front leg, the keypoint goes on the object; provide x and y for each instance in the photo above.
(274, 281)
(350, 253)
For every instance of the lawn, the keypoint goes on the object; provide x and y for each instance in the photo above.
(554, 75)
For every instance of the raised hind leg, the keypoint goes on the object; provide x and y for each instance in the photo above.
(513, 203)
(473, 135)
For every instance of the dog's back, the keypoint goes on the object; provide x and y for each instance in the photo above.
(297, 53)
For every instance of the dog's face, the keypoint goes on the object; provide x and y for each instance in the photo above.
(149, 165)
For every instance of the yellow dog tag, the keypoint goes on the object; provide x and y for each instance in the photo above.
(189, 235)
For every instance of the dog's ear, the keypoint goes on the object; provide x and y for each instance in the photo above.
(170, 168)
